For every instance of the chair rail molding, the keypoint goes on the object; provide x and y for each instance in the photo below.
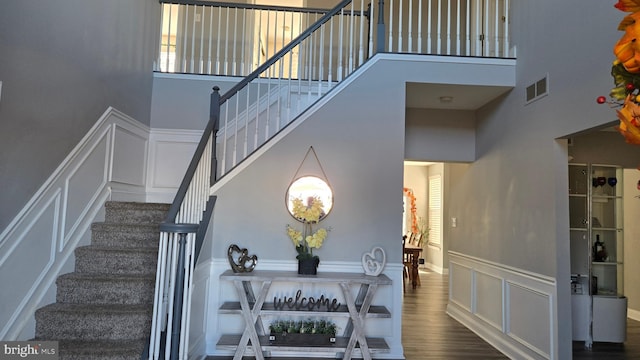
(38, 244)
(512, 309)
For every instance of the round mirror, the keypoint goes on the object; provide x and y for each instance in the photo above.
(309, 199)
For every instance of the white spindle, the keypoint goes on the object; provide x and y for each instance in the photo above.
(209, 63)
(439, 29)
(224, 138)
(201, 63)
(410, 28)
(419, 26)
(244, 27)
(192, 65)
(506, 29)
(246, 125)
(361, 49)
(268, 117)
(184, 42)
(485, 31)
(235, 133)
(258, 42)
(171, 290)
(158, 299)
(321, 61)
(310, 67)
(478, 27)
(340, 46)
(219, 37)
(372, 17)
(160, 47)
(400, 16)
(257, 104)
(351, 45)
(496, 46)
(235, 41)
(330, 70)
(226, 43)
(391, 26)
(448, 27)
(458, 27)
(429, 25)
(169, 42)
(468, 27)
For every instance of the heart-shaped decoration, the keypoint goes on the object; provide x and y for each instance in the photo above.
(373, 262)
(240, 260)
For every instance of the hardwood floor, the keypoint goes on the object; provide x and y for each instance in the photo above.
(429, 333)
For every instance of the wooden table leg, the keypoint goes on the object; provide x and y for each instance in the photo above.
(414, 270)
(251, 318)
(357, 320)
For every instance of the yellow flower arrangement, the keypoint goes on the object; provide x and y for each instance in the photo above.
(306, 240)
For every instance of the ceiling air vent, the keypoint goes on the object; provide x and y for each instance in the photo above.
(537, 90)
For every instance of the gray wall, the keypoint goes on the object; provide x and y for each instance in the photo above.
(63, 64)
(366, 179)
(511, 204)
(440, 135)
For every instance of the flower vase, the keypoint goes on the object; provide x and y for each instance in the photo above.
(308, 266)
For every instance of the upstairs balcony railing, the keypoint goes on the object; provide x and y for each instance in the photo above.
(232, 39)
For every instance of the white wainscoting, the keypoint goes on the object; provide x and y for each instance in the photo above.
(512, 309)
(170, 152)
(38, 244)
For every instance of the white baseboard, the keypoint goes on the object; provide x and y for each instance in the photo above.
(633, 314)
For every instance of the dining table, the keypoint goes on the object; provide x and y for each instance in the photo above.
(413, 253)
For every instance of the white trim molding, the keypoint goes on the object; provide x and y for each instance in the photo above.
(38, 244)
(170, 152)
(512, 309)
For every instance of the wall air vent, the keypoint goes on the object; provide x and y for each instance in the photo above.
(537, 90)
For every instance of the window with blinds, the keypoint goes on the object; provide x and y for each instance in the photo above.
(435, 210)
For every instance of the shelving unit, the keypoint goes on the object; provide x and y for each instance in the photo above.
(252, 308)
(597, 244)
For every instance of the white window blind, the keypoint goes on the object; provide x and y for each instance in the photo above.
(435, 209)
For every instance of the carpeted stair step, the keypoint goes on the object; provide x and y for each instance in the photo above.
(125, 235)
(101, 350)
(110, 260)
(134, 212)
(93, 322)
(81, 288)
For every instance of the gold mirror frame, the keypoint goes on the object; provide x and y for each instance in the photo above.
(307, 187)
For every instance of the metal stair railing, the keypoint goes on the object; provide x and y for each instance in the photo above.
(181, 237)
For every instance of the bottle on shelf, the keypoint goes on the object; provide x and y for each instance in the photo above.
(599, 250)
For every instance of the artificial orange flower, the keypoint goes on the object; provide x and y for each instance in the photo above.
(629, 126)
(627, 49)
(628, 5)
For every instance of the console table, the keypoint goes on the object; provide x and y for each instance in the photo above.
(253, 307)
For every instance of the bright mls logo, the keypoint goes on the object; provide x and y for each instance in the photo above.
(28, 350)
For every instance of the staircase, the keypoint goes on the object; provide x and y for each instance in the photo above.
(103, 310)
